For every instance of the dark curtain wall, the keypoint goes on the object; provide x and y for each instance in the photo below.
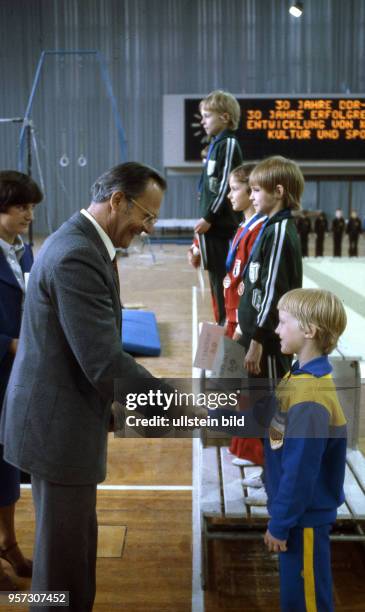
(156, 47)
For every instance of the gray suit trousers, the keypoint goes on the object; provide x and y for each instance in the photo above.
(65, 542)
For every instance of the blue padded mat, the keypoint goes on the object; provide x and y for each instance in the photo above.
(140, 333)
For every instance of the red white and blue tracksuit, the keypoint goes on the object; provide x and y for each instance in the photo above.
(238, 256)
(236, 262)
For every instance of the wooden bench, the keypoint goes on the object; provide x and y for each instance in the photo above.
(226, 516)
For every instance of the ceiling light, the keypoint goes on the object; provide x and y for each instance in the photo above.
(296, 9)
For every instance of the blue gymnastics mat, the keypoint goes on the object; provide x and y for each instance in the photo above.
(140, 333)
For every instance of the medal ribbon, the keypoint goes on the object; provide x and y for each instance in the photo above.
(214, 141)
(254, 247)
(236, 241)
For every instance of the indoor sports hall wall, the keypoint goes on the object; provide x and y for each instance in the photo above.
(157, 47)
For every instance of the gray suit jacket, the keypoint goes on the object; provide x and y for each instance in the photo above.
(57, 406)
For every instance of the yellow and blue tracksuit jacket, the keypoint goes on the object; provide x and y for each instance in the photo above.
(305, 451)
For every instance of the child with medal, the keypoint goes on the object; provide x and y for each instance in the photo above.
(247, 451)
(305, 450)
(220, 114)
(274, 267)
(241, 245)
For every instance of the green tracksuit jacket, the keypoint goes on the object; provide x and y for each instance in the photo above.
(274, 269)
(225, 155)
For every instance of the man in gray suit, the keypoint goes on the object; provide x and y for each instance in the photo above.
(57, 410)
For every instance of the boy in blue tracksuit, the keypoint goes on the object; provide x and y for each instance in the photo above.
(305, 451)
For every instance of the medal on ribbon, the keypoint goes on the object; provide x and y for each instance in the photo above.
(226, 282)
(241, 288)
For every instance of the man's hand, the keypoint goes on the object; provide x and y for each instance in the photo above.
(253, 358)
(194, 256)
(13, 346)
(202, 226)
(236, 336)
(273, 544)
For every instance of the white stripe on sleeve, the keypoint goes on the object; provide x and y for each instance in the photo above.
(273, 271)
(216, 204)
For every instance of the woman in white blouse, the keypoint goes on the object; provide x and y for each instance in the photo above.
(18, 196)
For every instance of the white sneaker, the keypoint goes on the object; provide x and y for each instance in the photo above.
(253, 481)
(242, 462)
(258, 499)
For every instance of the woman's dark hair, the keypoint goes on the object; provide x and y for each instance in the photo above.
(17, 189)
(131, 178)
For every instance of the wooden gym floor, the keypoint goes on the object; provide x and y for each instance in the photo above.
(145, 538)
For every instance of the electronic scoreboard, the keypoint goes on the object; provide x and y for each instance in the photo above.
(302, 128)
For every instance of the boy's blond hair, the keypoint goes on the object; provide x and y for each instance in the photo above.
(223, 102)
(278, 170)
(320, 308)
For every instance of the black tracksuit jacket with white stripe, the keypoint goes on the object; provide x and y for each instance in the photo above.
(213, 204)
(275, 268)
